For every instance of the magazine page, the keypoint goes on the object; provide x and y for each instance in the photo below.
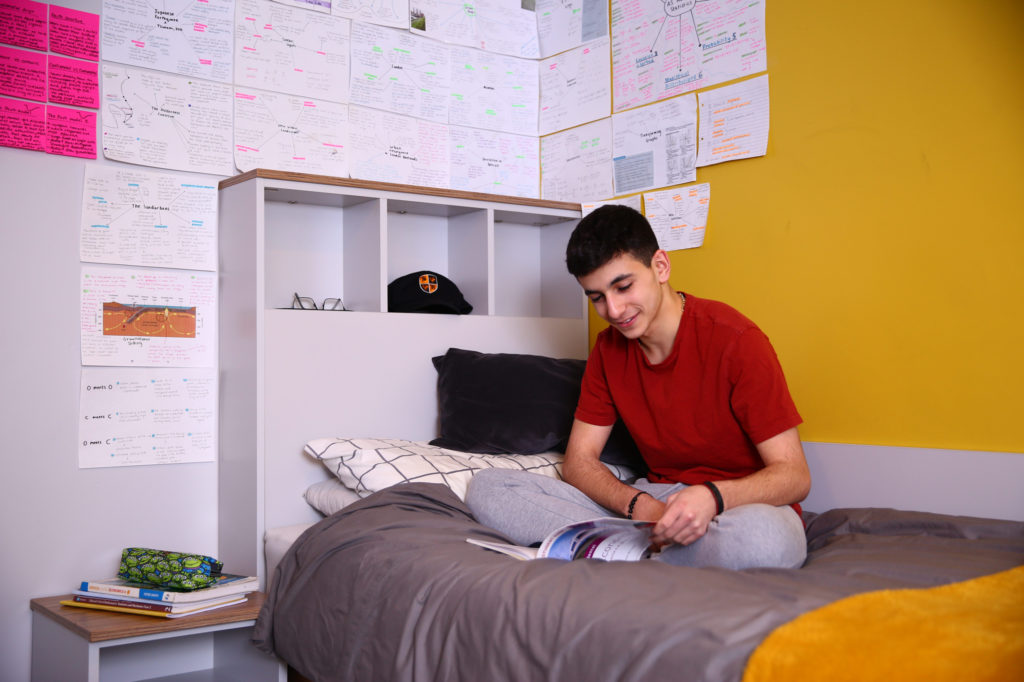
(607, 539)
(525, 553)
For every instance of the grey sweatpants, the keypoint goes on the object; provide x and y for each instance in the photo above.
(526, 507)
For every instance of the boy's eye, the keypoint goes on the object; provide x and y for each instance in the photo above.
(625, 287)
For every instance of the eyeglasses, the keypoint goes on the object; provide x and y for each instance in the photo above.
(306, 303)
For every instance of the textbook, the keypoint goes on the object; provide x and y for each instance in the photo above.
(150, 605)
(605, 539)
(151, 608)
(227, 584)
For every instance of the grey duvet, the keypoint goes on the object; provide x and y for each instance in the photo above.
(389, 589)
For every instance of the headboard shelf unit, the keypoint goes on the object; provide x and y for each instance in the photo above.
(288, 376)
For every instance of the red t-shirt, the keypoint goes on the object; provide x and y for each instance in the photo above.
(697, 415)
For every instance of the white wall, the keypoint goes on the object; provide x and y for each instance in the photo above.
(60, 524)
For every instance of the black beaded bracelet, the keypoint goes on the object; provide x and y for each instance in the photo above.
(719, 502)
(632, 503)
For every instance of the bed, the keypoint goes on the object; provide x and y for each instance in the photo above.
(385, 586)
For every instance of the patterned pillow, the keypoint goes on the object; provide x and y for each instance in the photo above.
(367, 465)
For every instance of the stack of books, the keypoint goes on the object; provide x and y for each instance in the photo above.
(114, 594)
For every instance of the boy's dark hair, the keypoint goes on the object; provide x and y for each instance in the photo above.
(605, 233)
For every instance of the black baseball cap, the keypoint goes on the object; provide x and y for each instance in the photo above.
(425, 291)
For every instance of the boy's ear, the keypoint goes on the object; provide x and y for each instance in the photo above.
(662, 265)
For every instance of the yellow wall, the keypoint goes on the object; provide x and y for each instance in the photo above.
(880, 243)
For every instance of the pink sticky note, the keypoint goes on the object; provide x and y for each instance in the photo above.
(70, 132)
(74, 33)
(22, 73)
(22, 124)
(23, 23)
(74, 82)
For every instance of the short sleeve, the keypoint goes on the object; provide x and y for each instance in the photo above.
(760, 397)
(595, 405)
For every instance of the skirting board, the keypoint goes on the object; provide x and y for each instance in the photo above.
(963, 482)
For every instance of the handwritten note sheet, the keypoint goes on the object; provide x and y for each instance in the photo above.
(291, 133)
(665, 48)
(493, 91)
(167, 121)
(400, 72)
(22, 124)
(74, 33)
(577, 163)
(132, 216)
(575, 87)
(656, 145)
(70, 132)
(495, 163)
(507, 27)
(633, 202)
(290, 50)
(679, 216)
(22, 74)
(394, 13)
(395, 148)
(74, 82)
(135, 416)
(148, 317)
(178, 36)
(23, 24)
(565, 24)
(733, 121)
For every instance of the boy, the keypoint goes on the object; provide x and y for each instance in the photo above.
(701, 391)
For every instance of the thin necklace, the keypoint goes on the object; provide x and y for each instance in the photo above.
(683, 299)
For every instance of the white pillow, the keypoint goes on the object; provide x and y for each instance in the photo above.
(329, 495)
(367, 465)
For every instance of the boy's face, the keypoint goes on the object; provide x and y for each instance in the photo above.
(626, 293)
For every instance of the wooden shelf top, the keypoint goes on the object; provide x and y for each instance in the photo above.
(100, 626)
(394, 187)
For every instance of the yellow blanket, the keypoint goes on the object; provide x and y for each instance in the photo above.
(973, 630)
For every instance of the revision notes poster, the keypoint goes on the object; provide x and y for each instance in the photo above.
(138, 416)
(134, 317)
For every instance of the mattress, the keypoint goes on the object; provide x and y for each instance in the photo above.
(389, 589)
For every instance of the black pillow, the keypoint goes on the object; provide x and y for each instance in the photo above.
(501, 403)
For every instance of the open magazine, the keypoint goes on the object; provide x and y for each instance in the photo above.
(606, 539)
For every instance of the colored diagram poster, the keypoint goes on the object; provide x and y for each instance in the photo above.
(734, 121)
(565, 24)
(662, 48)
(394, 13)
(166, 121)
(179, 36)
(495, 163)
(290, 133)
(679, 216)
(394, 148)
(290, 50)
(148, 317)
(575, 87)
(493, 91)
(508, 27)
(136, 416)
(400, 72)
(656, 145)
(577, 163)
(132, 216)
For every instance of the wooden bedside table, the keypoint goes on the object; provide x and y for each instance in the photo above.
(70, 644)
